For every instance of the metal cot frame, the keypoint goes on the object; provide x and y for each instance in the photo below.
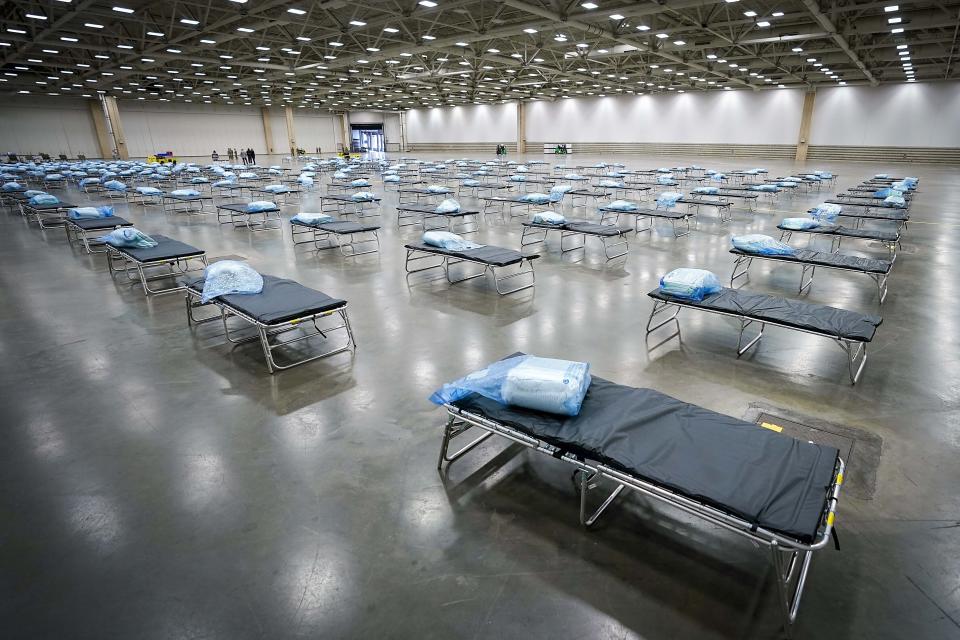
(534, 234)
(342, 205)
(790, 557)
(183, 204)
(742, 263)
(836, 239)
(411, 216)
(248, 219)
(525, 267)
(266, 331)
(650, 214)
(76, 233)
(176, 266)
(855, 350)
(324, 239)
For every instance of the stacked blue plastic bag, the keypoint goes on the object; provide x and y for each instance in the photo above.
(229, 277)
(313, 218)
(668, 199)
(85, 182)
(896, 202)
(115, 185)
(706, 191)
(825, 212)
(448, 241)
(259, 206)
(573, 176)
(185, 193)
(799, 224)
(530, 382)
(11, 186)
(761, 245)
(535, 198)
(765, 188)
(467, 183)
(610, 184)
(518, 178)
(448, 206)
(90, 213)
(393, 178)
(689, 284)
(363, 196)
(622, 205)
(129, 237)
(548, 217)
(43, 199)
(437, 188)
(360, 182)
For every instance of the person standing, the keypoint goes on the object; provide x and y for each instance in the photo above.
(253, 156)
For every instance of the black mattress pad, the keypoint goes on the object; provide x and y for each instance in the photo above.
(489, 254)
(827, 259)
(166, 249)
(97, 224)
(280, 301)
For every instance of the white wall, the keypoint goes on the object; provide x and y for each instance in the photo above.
(718, 117)
(191, 130)
(47, 125)
(910, 115)
(474, 123)
(315, 129)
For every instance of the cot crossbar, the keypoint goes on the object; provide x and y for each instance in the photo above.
(741, 270)
(418, 260)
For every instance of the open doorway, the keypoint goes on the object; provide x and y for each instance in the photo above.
(366, 138)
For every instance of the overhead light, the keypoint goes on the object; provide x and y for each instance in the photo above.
(372, 49)
(245, 30)
(124, 46)
(205, 41)
(903, 53)
(295, 11)
(429, 37)
(891, 8)
(93, 25)
(589, 5)
(20, 31)
(750, 14)
(763, 23)
(679, 43)
(616, 16)
(123, 10)
(529, 30)
(155, 34)
(897, 30)
(777, 14)
(711, 56)
(642, 27)
(174, 51)
(427, 3)
(902, 46)
(391, 30)
(896, 20)
(335, 44)
(35, 16)
(190, 21)
(461, 44)
(68, 39)
(358, 23)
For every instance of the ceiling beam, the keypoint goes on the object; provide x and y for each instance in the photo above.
(827, 24)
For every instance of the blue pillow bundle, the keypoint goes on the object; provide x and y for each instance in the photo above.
(689, 284)
(762, 245)
(90, 213)
(230, 277)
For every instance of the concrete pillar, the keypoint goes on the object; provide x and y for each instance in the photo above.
(345, 131)
(100, 124)
(114, 126)
(291, 132)
(403, 132)
(267, 129)
(521, 127)
(806, 119)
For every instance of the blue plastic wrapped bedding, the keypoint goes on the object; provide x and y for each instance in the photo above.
(84, 182)
(129, 237)
(468, 183)
(313, 218)
(762, 245)
(53, 176)
(275, 188)
(800, 224)
(706, 191)
(541, 384)
(622, 205)
(90, 213)
(689, 284)
(225, 183)
(449, 241)
(561, 189)
(115, 185)
(393, 178)
(248, 175)
(438, 188)
(612, 184)
(11, 186)
(363, 196)
(765, 188)
(259, 206)
(305, 181)
(360, 182)
(30, 193)
(185, 193)
(448, 206)
(44, 198)
(535, 198)
(518, 178)
(199, 180)
(548, 217)
(667, 182)
(573, 176)
(230, 277)
(897, 202)
(668, 199)
(881, 176)
(825, 212)
(883, 193)
(718, 177)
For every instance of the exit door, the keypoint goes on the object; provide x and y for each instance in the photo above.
(367, 137)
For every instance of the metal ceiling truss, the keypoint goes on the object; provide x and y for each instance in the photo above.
(401, 54)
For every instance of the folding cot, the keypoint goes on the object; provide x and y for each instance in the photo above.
(414, 196)
(867, 197)
(489, 188)
(493, 259)
(725, 195)
(146, 199)
(468, 219)
(282, 309)
(168, 260)
(238, 216)
(396, 186)
(283, 195)
(327, 235)
(346, 205)
(649, 214)
(509, 203)
(346, 186)
(580, 197)
(233, 190)
(530, 184)
(77, 230)
(46, 215)
(186, 204)
(13, 197)
(849, 329)
(877, 270)
(611, 236)
(836, 233)
(722, 207)
(684, 456)
(866, 212)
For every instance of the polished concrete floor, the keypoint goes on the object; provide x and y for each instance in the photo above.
(157, 484)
